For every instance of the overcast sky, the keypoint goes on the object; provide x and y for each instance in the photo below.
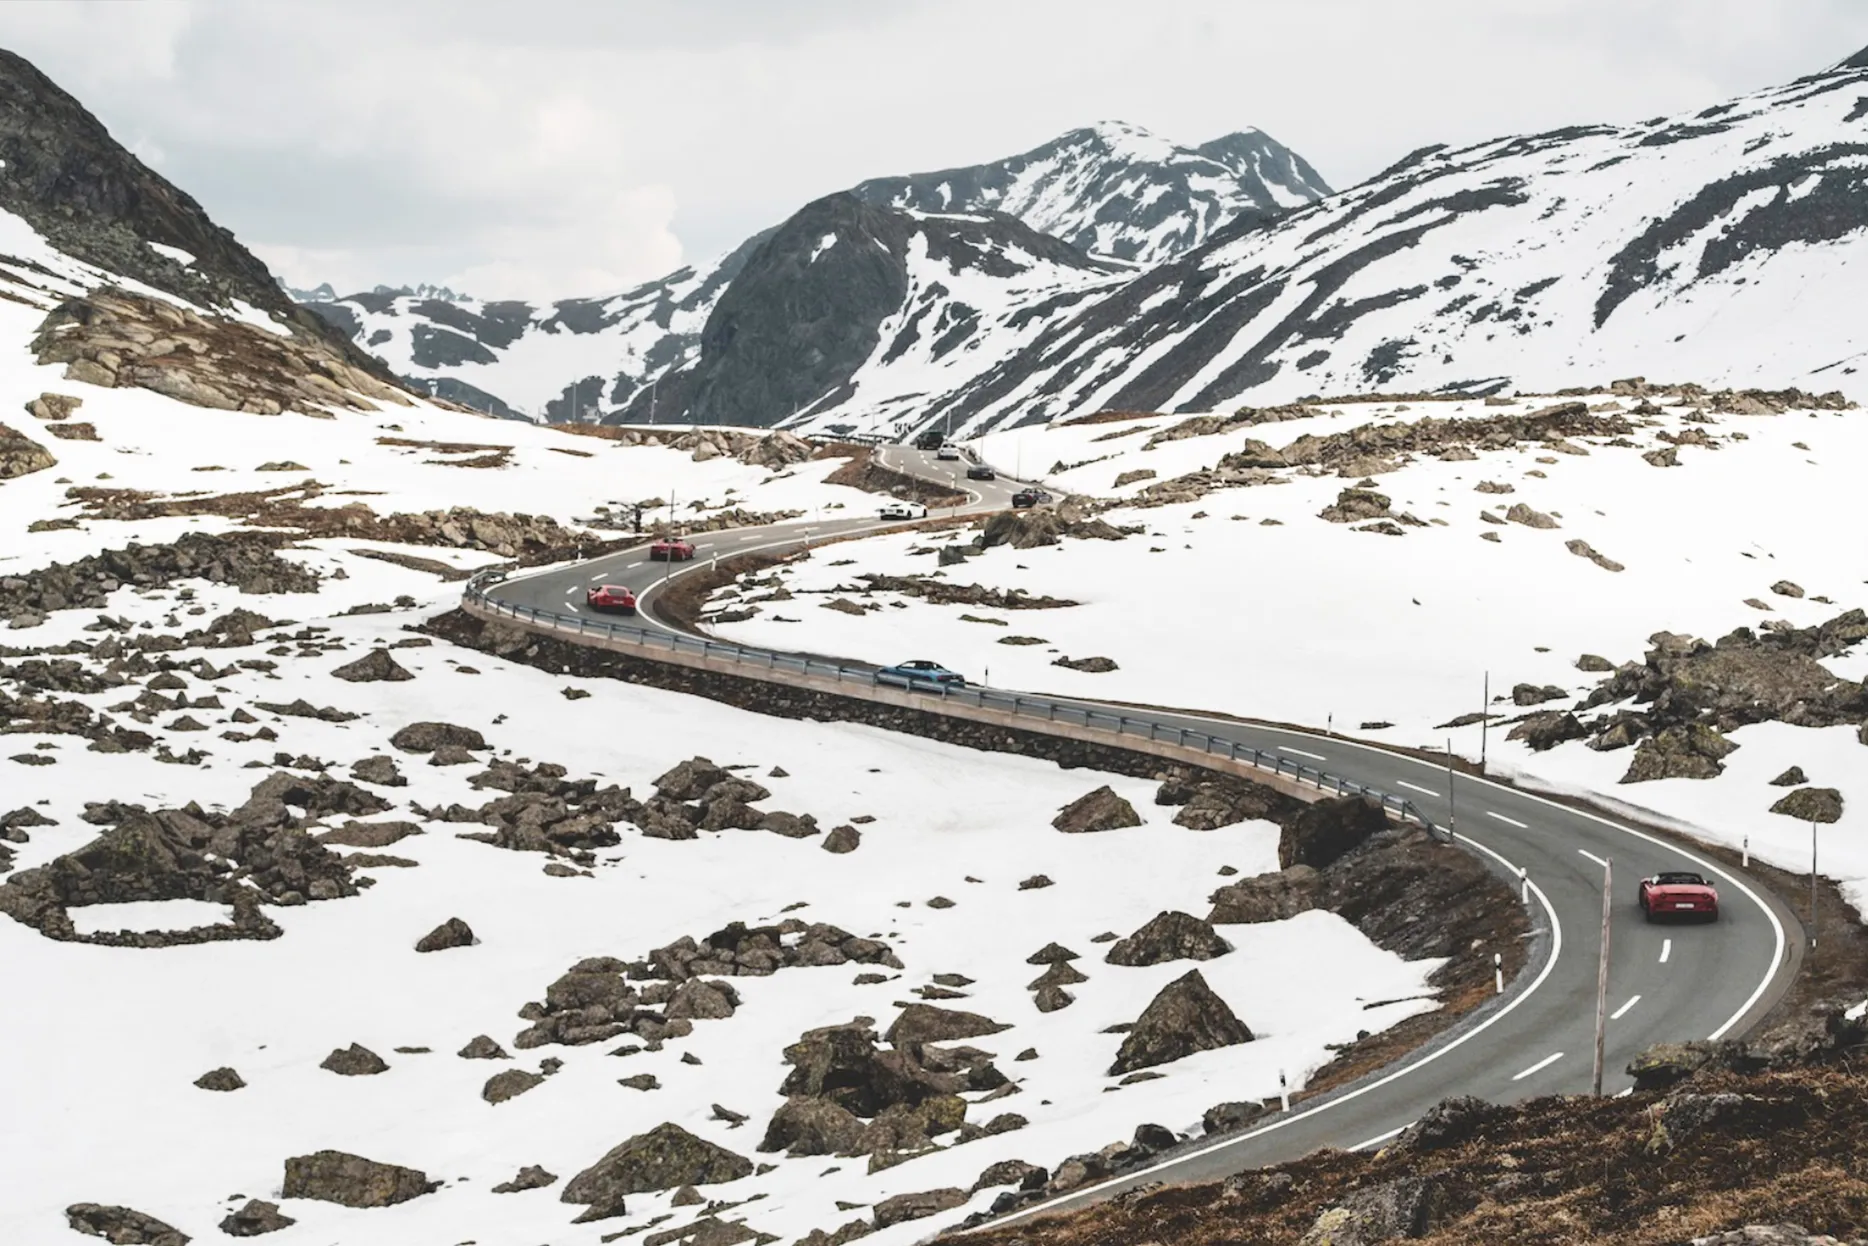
(539, 148)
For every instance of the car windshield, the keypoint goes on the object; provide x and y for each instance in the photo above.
(1680, 880)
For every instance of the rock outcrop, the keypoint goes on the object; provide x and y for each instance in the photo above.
(1184, 1018)
(123, 1226)
(1269, 897)
(254, 1217)
(1166, 937)
(20, 455)
(1100, 810)
(352, 1180)
(1326, 830)
(451, 933)
(665, 1158)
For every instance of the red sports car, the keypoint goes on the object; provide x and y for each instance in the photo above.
(611, 597)
(1679, 895)
(671, 549)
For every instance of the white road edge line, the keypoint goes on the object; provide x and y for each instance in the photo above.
(1621, 1012)
(1545, 1063)
(1511, 1005)
(1593, 857)
(1666, 950)
(1508, 821)
(1425, 791)
(1301, 753)
(1378, 1139)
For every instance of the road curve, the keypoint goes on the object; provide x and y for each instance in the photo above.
(1666, 983)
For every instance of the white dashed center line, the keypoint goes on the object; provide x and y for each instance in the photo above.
(1593, 857)
(1666, 950)
(1301, 753)
(1545, 1063)
(1415, 787)
(1509, 821)
(1619, 1013)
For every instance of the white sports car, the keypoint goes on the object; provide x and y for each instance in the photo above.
(903, 510)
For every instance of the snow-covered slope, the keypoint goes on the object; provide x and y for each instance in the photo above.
(1116, 190)
(1362, 567)
(1727, 246)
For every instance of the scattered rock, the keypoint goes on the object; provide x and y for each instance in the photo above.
(353, 1181)
(1691, 751)
(1225, 1117)
(1583, 549)
(1594, 664)
(451, 933)
(509, 1084)
(1811, 804)
(53, 406)
(255, 1218)
(531, 1177)
(1531, 694)
(1784, 588)
(1447, 1123)
(375, 666)
(1095, 666)
(1184, 1018)
(1100, 810)
(1356, 505)
(693, 779)
(1402, 1208)
(1665, 1064)
(426, 737)
(1275, 896)
(1520, 513)
(368, 834)
(223, 1079)
(640, 1081)
(378, 770)
(1036, 882)
(481, 1047)
(355, 1060)
(904, 1207)
(1051, 954)
(924, 1023)
(842, 839)
(20, 455)
(1793, 777)
(665, 1158)
(1667, 456)
(123, 1226)
(1169, 936)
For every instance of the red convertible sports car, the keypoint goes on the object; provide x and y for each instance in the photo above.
(671, 549)
(611, 597)
(1679, 895)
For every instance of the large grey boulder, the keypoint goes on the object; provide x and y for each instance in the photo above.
(1168, 936)
(123, 1226)
(352, 1180)
(1100, 810)
(1184, 1018)
(667, 1157)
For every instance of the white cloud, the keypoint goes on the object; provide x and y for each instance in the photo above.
(578, 141)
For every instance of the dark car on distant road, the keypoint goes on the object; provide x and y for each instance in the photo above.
(981, 471)
(1030, 497)
(919, 673)
(1679, 894)
(611, 597)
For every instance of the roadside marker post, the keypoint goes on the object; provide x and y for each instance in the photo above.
(1524, 885)
(1746, 858)
(1498, 971)
(1284, 1093)
(1602, 985)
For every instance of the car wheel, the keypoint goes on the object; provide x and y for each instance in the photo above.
(1647, 914)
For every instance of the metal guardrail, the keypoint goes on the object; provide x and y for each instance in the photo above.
(1040, 709)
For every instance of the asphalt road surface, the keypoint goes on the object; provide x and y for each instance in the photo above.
(1666, 982)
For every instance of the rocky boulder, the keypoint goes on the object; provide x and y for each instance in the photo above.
(451, 933)
(510, 1084)
(813, 1127)
(1448, 1123)
(924, 1023)
(531, 1177)
(1271, 897)
(1322, 832)
(1100, 810)
(842, 839)
(123, 1226)
(376, 666)
(1184, 1018)
(221, 1079)
(1356, 505)
(1168, 936)
(1667, 1064)
(665, 1158)
(904, 1207)
(1403, 1208)
(20, 455)
(426, 737)
(691, 780)
(355, 1060)
(1690, 751)
(1226, 1117)
(255, 1217)
(353, 1181)
(1811, 804)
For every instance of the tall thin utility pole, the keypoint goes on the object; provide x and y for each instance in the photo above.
(652, 385)
(1812, 885)
(1602, 984)
(1485, 719)
(1452, 809)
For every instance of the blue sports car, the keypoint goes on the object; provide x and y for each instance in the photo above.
(919, 673)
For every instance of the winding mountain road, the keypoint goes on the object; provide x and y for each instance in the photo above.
(1666, 983)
